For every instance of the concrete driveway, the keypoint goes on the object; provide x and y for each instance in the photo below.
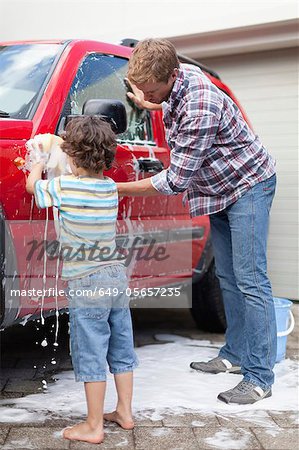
(26, 365)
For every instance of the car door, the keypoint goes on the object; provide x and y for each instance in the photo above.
(101, 76)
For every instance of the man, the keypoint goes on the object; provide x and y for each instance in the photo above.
(228, 175)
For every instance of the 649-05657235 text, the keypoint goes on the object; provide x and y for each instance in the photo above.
(100, 292)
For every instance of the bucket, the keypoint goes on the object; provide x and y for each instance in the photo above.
(285, 324)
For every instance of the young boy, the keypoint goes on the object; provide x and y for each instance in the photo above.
(100, 324)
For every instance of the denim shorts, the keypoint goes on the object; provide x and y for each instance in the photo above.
(100, 324)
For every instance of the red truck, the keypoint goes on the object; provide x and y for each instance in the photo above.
(42, 83)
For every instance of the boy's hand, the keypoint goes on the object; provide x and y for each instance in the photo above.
(38, 148)
(39, 166)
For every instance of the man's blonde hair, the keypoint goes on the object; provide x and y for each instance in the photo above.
(153, 60)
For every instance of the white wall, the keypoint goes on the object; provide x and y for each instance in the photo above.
(115, 19)
(266, 83)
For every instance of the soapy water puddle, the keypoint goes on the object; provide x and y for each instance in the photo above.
(163, 384)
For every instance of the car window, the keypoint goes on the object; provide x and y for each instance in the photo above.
(24, 70)
(102, 76)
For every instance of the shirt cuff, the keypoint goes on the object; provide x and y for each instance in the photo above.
(160, 183)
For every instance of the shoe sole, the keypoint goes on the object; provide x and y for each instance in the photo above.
(228, 402)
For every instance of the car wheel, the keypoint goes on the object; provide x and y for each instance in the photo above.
(207, 303)
(9, 305)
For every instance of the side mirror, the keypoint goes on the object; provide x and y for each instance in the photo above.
(113, 111)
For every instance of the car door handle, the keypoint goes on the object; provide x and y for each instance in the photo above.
(150, 165)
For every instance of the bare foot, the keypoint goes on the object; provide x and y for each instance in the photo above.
(125, 422)
(84, 432)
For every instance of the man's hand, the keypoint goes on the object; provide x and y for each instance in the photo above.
(137, 97)
(137, 188)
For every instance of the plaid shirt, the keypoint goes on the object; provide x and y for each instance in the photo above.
(215, 156)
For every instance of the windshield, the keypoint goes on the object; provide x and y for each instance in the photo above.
(23, 71)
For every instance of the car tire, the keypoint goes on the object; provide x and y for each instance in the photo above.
(207, 303)
(9, 305)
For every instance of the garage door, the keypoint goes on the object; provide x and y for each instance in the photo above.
(266, 85)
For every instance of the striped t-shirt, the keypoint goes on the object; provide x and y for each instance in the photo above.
(88, 211)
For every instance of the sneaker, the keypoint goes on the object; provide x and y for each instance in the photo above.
(244, 393)
(216, 365)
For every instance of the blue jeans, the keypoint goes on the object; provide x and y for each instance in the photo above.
(239, 237)
(100, 324)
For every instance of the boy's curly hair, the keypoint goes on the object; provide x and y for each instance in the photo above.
(90, 142)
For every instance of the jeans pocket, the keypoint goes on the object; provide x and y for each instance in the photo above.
(94, 313)
(269, 186)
